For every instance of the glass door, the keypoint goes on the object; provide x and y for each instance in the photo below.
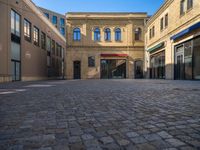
(179, 63)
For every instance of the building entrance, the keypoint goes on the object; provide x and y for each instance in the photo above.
(113, 68)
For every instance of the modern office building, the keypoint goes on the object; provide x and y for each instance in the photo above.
(31, 48)
(57, 20)
(173, 41)
(105, 45)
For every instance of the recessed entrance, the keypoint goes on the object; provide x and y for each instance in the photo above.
(113, 68)
(77, 70)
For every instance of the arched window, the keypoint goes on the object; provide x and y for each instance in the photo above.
(107, 34)
(97, 34)
(118, 34)
(138, 33)
(77, 34)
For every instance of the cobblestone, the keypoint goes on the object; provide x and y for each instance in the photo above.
(100, 115)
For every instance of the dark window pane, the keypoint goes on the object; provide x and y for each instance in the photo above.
(196, 60)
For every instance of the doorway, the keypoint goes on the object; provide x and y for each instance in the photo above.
(16, 70)
(179, 63)
(113, 68)
(138, 69)
(77, 70)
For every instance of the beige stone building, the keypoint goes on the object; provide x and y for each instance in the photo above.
(105, 45)
(31, 48)
(173, 41)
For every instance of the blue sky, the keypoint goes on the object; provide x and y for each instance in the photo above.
(63, 6)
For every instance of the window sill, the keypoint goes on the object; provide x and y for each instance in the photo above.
(189, 9)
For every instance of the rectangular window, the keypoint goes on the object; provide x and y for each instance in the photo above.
(43, 40)
(196, 59)
(166, 20)
(15, 23)
(27, 30)
(161, 24)
(153, 31)
(48, 44)
(150, 34)
(91, 61)
(36, 36)
(62, 31)
(53, 47)
(54, 20)
(182, 7)
(189, 4)
(62, 22)
(47, 15)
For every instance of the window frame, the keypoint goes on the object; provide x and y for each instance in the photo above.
(118, 34)
(107, 34)
(138, 34)
(97, 34)
(182, 7)
(189, 4)
(77, 34)
(91, 61)
(166, 20)
(36, 37)
(16, 33)
(162, 24)
(26, 36)
(43, 40)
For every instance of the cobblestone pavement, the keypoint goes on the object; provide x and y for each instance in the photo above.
(100, 114)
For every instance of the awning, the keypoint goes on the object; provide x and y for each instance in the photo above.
(158, 46)
(186, 31)
(114, 55)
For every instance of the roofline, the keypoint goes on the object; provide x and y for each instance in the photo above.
(51, 11)
(39, 13)
(153, 17)
(99, 13)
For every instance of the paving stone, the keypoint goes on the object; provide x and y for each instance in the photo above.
(123, 142)
(175, 142)
(87, 136)
(132, 134)
(106, 140)
(164, 135)
(138, 140)
(101, 114)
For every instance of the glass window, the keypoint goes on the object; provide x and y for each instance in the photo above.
(91, 61)
(48, 44)
(182, 7)
(62, 22)
(15, 51)
(189, 4)
(47, 15)
(161, 24)
(54, 20)
(53, 47)
(27, 30)
(188, 59)
(43, 40)
(157, 66)
(149, 33)
(77, 34)
(118, 34)
(138, 33)
(166, 20)
(36, 36)
(153, 31)
(62, 31)
(107, 34)
(97, 34)
(196, 59)
(15, 23)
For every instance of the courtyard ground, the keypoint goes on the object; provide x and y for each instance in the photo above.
(100, 114)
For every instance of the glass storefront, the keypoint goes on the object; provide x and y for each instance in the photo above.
(157, 66)
(187, 60)
(113, 68)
